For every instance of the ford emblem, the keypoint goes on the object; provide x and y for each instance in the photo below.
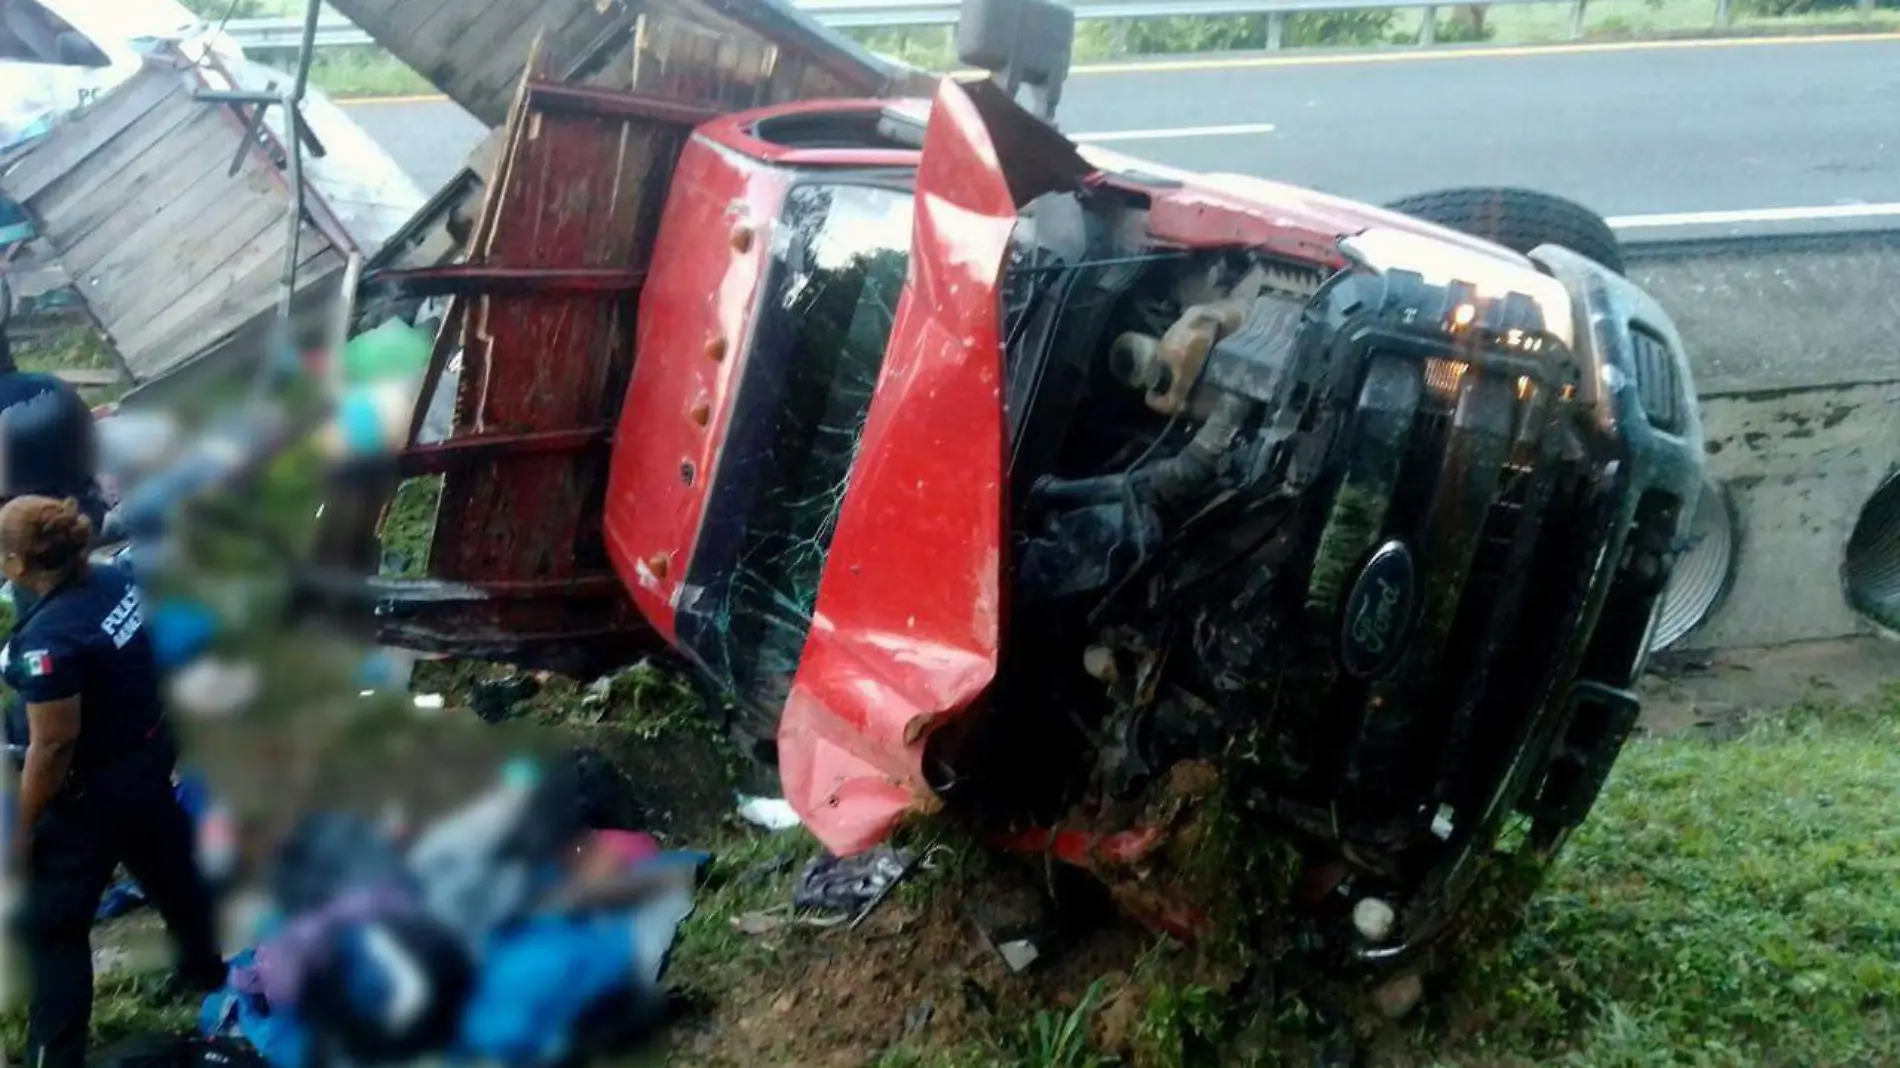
(1378, 615)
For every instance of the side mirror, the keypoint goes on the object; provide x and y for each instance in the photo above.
(1025, 44)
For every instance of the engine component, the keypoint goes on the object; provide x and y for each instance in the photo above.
(1167, 369)
(1084, 549)
(1256, 359)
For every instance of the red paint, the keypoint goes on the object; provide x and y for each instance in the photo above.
(909, 617)
(703, 296)
(910, 614)
(1086, 849)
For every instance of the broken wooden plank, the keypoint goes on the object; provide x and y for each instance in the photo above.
(252, 268)
(139, 192)
(496, 50)
(89, 378)
(249, 300)
(497, 76)
(84, 184)
(196, 259)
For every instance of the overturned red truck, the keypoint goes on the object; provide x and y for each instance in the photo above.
(977, 469)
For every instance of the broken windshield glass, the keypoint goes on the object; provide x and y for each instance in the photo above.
(840, 259)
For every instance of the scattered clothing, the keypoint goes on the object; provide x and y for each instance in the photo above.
(507, 933)
(274, 1032)
(849, 885)
(330, 855)
(389, 989)
(769, 813)
(281, 963)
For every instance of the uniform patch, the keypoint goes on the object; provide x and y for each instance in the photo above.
(38, 663)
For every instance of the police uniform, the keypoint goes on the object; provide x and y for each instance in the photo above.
(87, 638)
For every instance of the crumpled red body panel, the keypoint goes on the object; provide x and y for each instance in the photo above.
(908, 625)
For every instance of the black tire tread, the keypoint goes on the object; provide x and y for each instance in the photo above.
(1518, 219)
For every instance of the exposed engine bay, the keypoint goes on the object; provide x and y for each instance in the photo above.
(1336, 533)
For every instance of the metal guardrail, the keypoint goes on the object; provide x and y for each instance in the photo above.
(336, 31)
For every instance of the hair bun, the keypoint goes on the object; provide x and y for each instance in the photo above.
(49, 535)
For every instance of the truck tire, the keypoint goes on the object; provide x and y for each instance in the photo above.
(1519, 219)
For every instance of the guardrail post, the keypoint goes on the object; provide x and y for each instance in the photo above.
(1276, 30)
(1576, 20)
(1428, 29)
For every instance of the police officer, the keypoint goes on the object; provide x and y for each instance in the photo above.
(96, 788)
(48, 445)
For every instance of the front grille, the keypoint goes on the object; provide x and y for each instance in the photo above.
(1658, 384)
(1457, 493)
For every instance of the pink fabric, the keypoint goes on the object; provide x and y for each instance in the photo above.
(629, 847)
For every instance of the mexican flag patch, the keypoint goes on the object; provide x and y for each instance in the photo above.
(38, 664)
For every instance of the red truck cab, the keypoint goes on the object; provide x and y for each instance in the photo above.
(906, 423)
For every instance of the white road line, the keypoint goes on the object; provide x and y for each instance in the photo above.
(1818, 213)
(1176, 134)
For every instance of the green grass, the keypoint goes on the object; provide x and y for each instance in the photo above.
(1726, 904)
(365, 72)
(74, 347)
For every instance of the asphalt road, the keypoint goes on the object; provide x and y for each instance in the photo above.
(1628, 129)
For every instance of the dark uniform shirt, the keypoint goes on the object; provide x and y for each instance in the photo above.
(88, 639)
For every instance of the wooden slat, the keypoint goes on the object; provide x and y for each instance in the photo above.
(433, 41)
(542, 363)
(502, 43)
(83, 184)
(408, 20)
(251, 210)
(196, 225)
(253, 296)
(116, 192)
(254, 267)
(139, 191)
(88, 378)
(79, 139)
(496, 78)
(160, 204)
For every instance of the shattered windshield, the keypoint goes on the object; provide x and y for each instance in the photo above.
(840, 258)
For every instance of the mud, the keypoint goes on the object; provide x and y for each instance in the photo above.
(1717, 694)
(916, 978)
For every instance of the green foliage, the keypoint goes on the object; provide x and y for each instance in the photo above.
(1181, 1024)
(1061, 1039)
(1792, 8)
(409, 524)
(237, 9)
(125, 1005)
(927, 47)
(1330, 29)
(1468, 24)
(1727, 904)
(932, 48)
(1339, 29)
(365, 71)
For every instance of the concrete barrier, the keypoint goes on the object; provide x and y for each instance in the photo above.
(1796, 346)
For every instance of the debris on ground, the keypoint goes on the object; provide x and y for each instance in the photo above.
(770, 813)
(850, 885)
(503, 699)
(508, 931)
